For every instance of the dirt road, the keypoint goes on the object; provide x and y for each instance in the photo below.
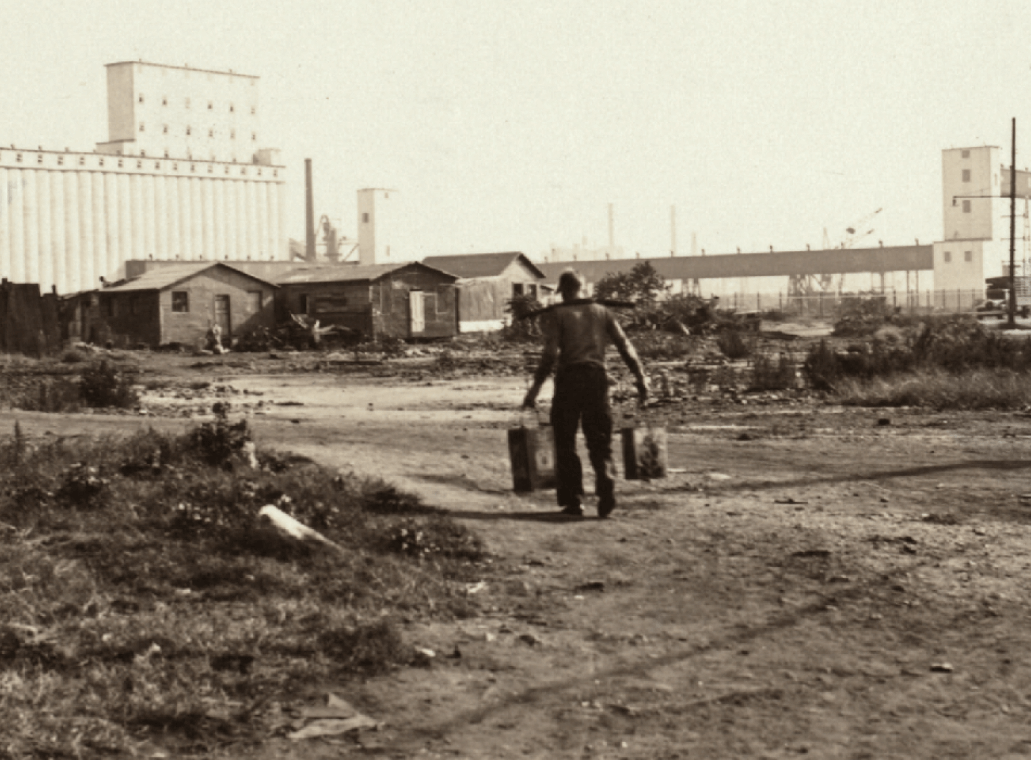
(809, 581)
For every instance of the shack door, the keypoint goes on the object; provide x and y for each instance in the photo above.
(416, 312)
(222, 317)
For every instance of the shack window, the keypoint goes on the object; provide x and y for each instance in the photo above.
(254, 301)
(303, 303)
(531, 290)
(947, 256)
(180, 301)
(517, 289)
(330, 304)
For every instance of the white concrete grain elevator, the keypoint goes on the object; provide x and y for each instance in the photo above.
(181, 176)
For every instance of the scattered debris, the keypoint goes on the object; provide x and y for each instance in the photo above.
(532, 640)
(789, 500)
(423, 657)
(332, 719)
(941, 667)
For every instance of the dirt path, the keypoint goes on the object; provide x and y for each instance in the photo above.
(713, 617)
(845, 590)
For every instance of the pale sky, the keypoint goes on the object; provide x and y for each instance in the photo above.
(512, 125)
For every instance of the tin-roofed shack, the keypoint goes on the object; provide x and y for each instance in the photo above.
(180, 303)
(380, 300)
(487, 281)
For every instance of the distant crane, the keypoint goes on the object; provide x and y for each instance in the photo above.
(812, 284)
(853, 233)
(332, 241)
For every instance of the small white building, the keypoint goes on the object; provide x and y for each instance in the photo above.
(378, 216)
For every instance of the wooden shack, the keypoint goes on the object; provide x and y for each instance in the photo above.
(180, 303)
(28, 320)
(487, 281)
(408, 301)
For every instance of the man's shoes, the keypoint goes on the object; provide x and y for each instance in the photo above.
(572, 510)
(606, 507)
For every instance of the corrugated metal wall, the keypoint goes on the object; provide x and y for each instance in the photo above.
(68, 218)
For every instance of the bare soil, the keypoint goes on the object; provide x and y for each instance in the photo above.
(808, 580)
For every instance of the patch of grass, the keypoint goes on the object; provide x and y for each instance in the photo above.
(103, 385)
(954, 344)
(142, 599)
(733, 344)
(74, 356)
(772, 375)
(977, 389)
(656, 345)
(62, 386)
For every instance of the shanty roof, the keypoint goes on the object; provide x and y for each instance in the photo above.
(480, 264)
(347, 273)
(164, 277)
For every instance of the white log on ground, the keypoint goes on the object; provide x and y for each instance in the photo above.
(293, 529)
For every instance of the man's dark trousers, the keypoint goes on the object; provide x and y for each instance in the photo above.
(582, 396)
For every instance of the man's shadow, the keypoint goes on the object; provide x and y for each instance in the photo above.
(527, 516)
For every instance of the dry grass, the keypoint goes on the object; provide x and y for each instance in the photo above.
(141, 598)
(937, 389)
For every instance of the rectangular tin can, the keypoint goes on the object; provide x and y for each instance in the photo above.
(532, 452)
(644, 452)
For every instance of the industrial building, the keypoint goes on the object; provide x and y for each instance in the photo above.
(377, 226)
(181, 177)
(949, 273)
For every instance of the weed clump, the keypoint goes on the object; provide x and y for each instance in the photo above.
(102, 386)
(366, 648)
(219, 441)
(733, 344)
(773, 375)
(82, 487)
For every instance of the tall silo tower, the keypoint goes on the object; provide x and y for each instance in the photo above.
(377, 226)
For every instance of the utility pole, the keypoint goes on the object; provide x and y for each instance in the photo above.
(1012, 321)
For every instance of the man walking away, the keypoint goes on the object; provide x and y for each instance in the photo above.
(576, 333)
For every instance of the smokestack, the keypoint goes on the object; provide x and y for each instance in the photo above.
(612, 227)
(673, 230)
(309, 215)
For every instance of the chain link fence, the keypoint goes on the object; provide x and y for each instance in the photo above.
(831, 305)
